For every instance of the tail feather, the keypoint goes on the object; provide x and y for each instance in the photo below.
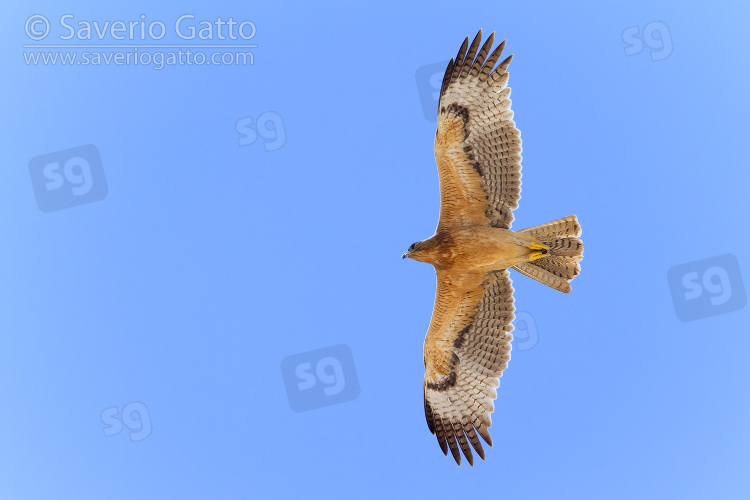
(566, 250)
(534, 271)
(560, 266)
(566, 247)
(560, 228)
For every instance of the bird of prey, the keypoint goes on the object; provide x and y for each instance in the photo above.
(478, 155)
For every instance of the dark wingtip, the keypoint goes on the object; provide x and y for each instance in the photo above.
(456, 456)
(462, 51)
(491, 39)
(442, 443)
(507, 61)
(485, 433)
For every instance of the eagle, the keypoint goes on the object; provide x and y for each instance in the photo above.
(478, 155)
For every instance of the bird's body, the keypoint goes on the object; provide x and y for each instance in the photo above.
(478, 248)
(478, 154)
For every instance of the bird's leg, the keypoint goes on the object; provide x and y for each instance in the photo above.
(538, 251)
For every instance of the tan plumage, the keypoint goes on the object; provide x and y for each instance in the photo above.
(478, 154)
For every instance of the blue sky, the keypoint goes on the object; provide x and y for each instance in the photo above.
(222, 310)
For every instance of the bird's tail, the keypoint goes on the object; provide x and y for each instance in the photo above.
(557, 267)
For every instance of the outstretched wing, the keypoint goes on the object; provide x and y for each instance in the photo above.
(477, 145)
(465, 352)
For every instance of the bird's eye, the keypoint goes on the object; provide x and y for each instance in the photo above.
(412, 247)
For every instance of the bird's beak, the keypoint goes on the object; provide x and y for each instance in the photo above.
(405, 255)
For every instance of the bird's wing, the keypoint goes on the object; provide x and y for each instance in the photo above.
(465, 352)
(477, 145)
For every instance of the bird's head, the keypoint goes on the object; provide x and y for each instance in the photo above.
(416, 251)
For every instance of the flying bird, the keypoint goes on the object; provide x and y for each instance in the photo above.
(478, 155)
